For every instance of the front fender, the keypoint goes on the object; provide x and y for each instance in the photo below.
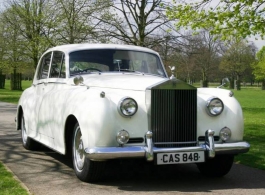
(99, 119)
(231, 117)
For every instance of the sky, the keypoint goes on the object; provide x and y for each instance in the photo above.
(259, 43)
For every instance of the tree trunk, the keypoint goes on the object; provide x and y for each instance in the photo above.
(204, 83)
(232, 83)
(2, 80)
(237, 85)
(15, 81)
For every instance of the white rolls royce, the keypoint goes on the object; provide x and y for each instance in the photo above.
(98, 102)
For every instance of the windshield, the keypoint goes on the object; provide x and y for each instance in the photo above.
(109, 60)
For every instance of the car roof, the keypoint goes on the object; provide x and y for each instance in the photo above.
(84, 46)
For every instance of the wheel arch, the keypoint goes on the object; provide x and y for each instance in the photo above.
(69, 128)
(19, 115)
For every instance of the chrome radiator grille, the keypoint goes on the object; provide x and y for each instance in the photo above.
(174, 117)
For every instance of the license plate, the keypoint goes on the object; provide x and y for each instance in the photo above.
(180, 157)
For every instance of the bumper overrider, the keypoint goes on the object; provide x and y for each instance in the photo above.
(148, 151)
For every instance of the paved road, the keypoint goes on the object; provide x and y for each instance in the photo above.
(46, 172)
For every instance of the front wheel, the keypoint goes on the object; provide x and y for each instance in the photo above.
(216, 167)
(85, 169)
(27, 142)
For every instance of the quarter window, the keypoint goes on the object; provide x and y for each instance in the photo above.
(44, 68)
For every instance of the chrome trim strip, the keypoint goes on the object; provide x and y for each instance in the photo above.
(161, 143)
(172, 150)
(104, 153)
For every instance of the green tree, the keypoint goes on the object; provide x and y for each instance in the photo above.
(13, 56)
(259, 67)
(137, 22)
(29, 19)
(236, 60)
(197, 57)
(231, 18)
(207, 55)
(2, 52)
(77, 21)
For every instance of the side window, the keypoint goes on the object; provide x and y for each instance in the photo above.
(44, 66)
(57, 65)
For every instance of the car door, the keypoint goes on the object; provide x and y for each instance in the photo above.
(40, 83)
(50, 106)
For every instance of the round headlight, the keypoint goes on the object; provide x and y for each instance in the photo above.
(127, 107)
(122, 137)
(214, 106)
(225, 134)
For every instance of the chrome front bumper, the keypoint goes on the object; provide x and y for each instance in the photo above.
(148, 151)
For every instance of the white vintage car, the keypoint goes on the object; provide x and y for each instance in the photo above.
(98, 102)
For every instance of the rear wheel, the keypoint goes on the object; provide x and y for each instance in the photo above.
(85, 169)
(216, 167)
(27, 142)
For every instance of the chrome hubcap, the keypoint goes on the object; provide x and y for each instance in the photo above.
(79, 156)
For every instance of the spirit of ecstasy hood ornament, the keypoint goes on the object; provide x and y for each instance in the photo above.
(172, 68)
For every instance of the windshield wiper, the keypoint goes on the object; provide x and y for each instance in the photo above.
(82, 73)
(128, 70)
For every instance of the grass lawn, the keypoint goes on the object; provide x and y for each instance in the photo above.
(8, 184)
(6, 95)
(252, 101)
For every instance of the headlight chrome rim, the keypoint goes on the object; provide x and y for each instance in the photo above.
(122, 137)
(211, 107)
(127, 107)
(225, 134)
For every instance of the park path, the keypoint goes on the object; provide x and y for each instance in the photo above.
(47, 173)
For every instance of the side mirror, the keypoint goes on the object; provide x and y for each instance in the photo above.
(225, 83)
(78, 80)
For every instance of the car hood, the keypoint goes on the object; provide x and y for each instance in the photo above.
(122, 81)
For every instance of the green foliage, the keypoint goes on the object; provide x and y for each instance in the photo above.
(28, 28)
(230, 18)
(24, 22)
(259, 65)
(8, 185)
